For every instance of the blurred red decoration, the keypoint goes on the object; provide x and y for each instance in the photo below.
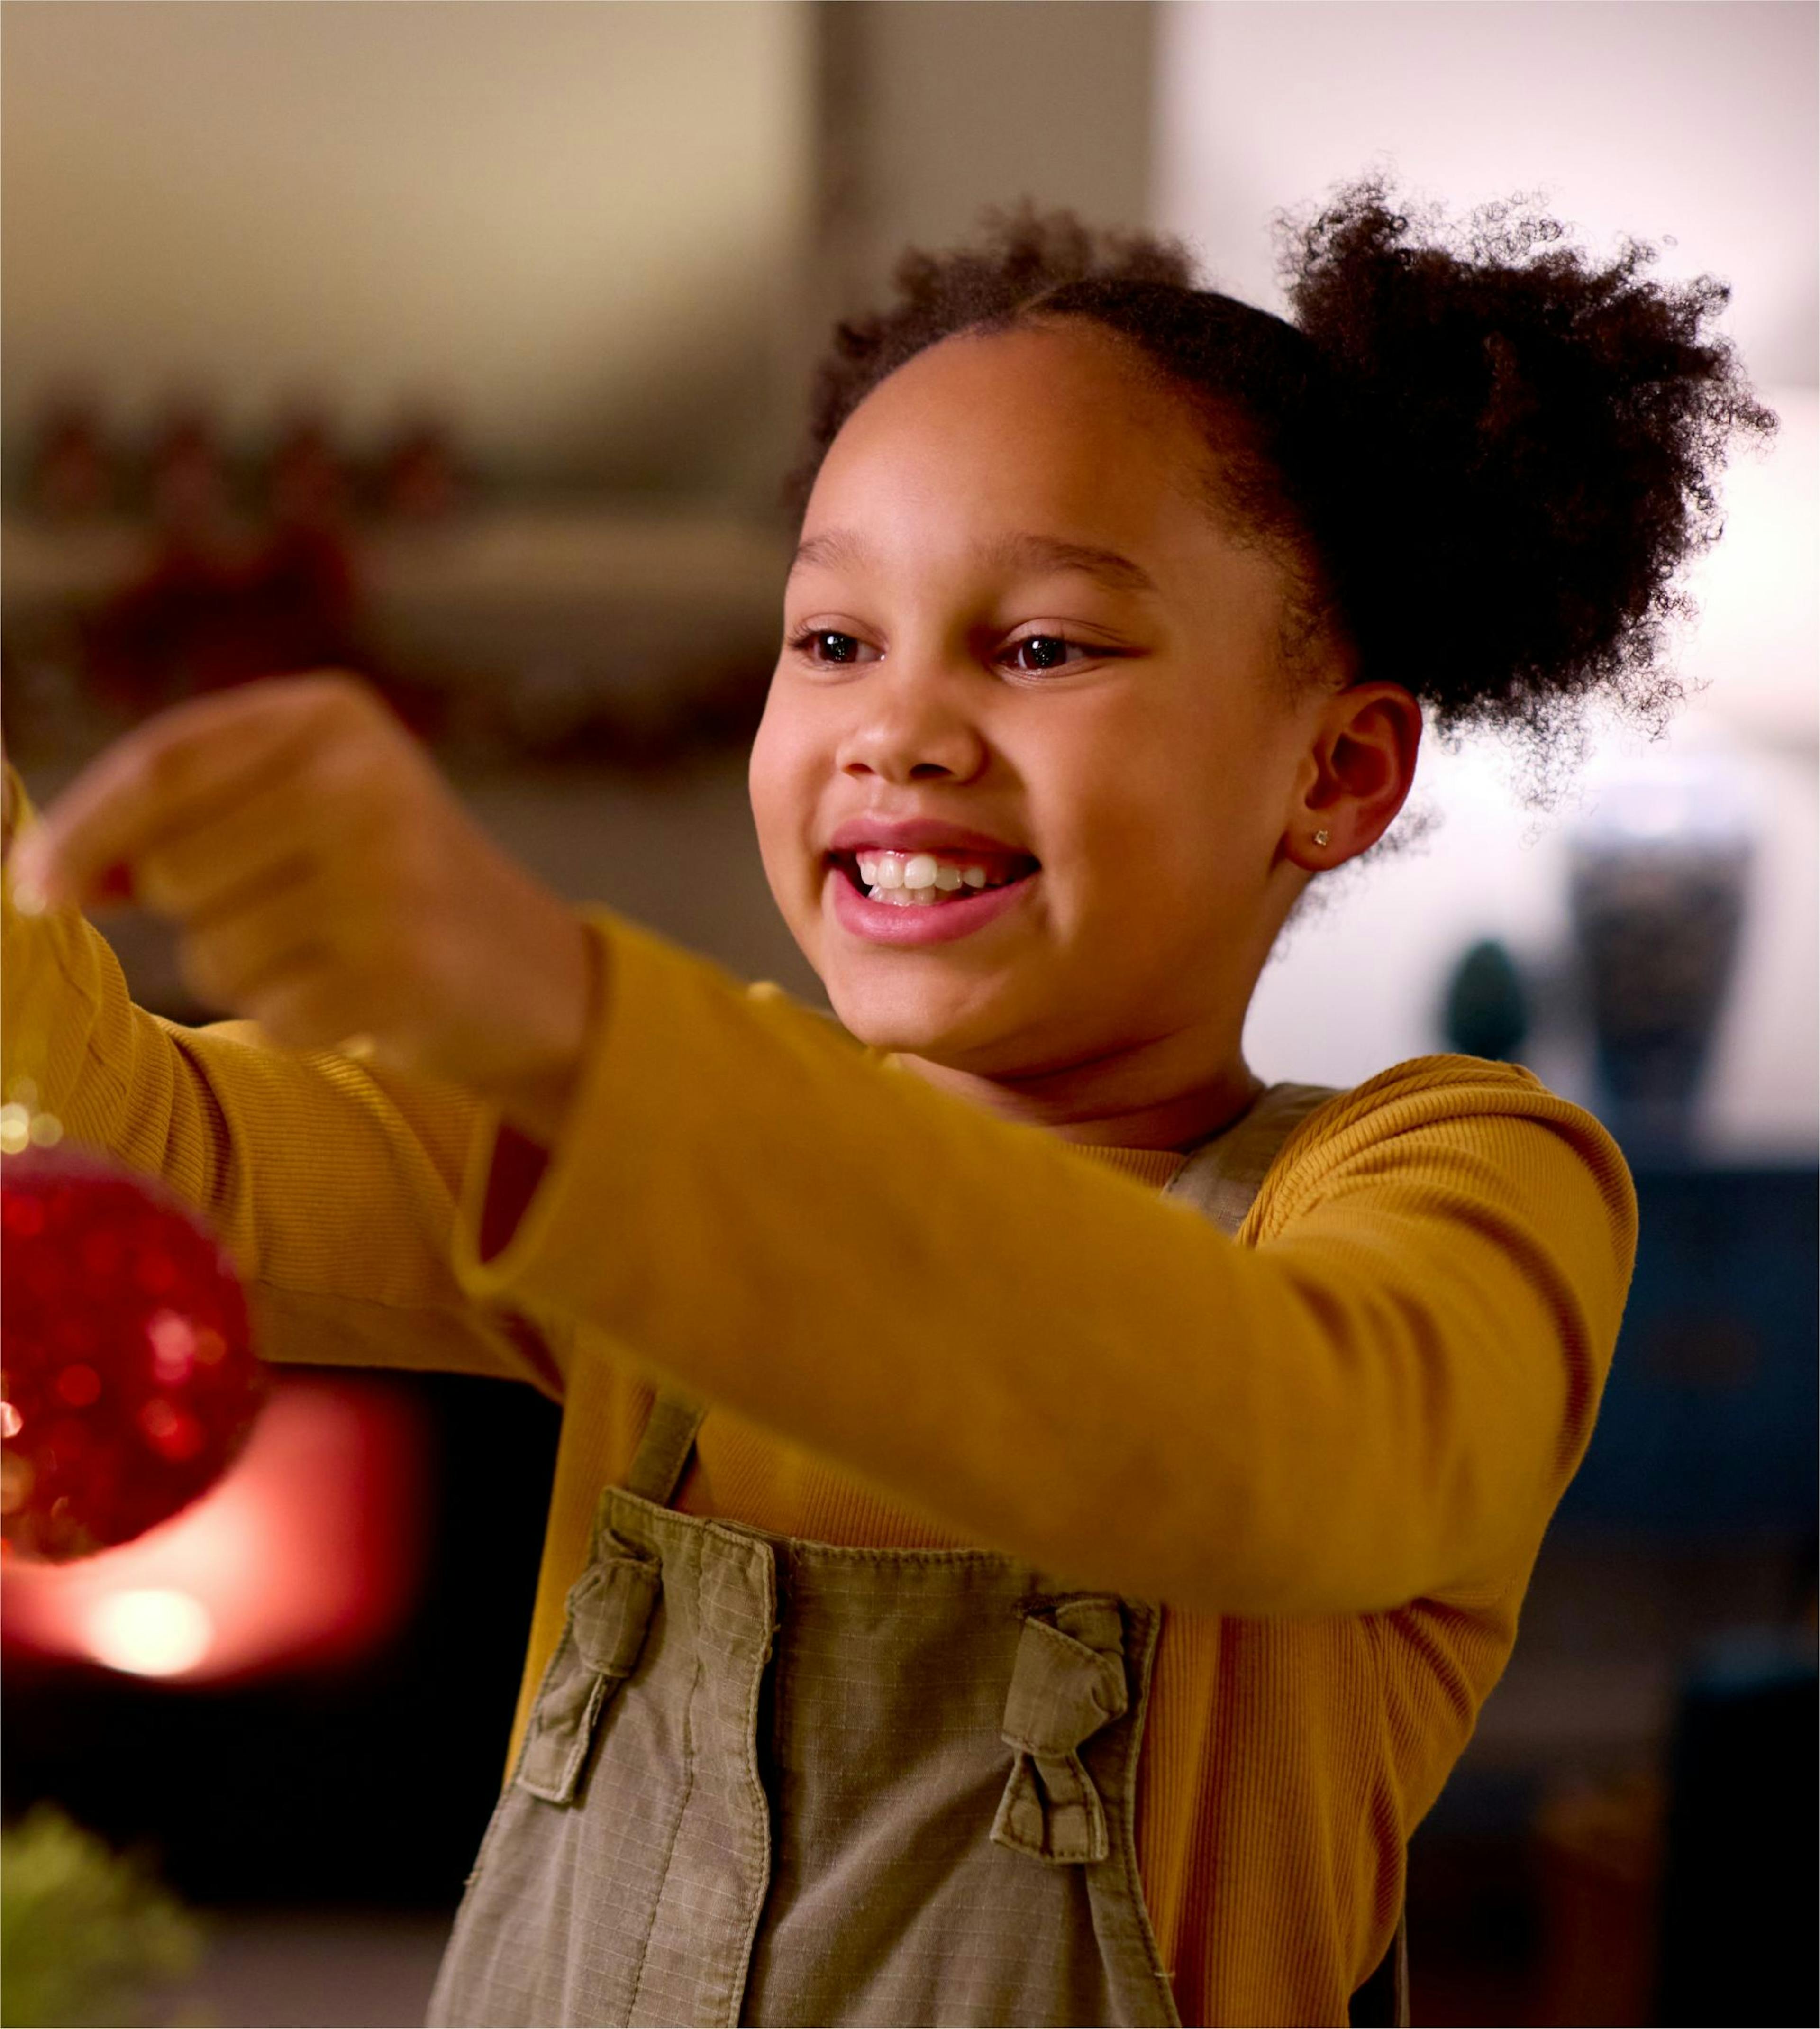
(307, 481)
(192, 491)
(73, 470)
(220, 600)
(129, 1383)
(420, 477)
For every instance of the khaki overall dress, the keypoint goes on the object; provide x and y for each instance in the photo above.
(767, 1780)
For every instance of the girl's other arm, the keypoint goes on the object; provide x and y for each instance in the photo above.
(1381, 1400)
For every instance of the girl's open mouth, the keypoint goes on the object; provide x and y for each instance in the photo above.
(901, 898)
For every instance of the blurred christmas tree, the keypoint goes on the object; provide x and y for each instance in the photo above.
(87, 1935)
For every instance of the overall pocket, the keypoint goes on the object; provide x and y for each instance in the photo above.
(1068, 1681)
(609, 1610)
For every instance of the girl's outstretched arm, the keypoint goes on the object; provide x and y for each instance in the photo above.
(332, 1182)
(1381, 1400)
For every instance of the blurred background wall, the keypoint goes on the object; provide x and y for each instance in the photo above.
(573, 226)
(466, 344)
(606, 235)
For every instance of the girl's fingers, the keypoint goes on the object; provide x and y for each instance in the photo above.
(304, 1010)
(229, 959)
(218, 856)
(234, 895)
(304, 959)
(196, 758)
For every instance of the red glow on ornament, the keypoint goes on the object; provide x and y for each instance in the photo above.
(130, 1382)
(78, 1386)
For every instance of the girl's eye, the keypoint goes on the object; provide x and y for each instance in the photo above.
(1033, 655)
(828, 645)
(1038, 652)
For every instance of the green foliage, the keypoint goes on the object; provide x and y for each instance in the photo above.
(87, 1934)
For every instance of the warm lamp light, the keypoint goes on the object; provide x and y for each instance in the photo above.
(149, 1631)
(304, 1554)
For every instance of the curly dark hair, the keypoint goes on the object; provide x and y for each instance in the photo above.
(1483, 457)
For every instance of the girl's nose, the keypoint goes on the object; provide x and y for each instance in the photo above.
(911, 728)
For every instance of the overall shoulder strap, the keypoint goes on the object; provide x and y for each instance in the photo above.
(1221, 1177)
(663, 1451)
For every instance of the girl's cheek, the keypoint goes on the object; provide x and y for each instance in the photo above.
(768, 778)
(786, 795)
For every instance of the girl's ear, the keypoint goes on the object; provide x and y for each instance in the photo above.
(1360, 767)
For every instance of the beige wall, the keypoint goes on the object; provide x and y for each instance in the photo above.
(575, 223)
(933, 108)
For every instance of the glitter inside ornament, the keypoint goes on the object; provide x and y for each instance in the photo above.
(129, 1383)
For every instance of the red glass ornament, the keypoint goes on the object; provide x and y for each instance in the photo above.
(130, 1382)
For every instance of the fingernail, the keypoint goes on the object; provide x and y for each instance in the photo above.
(29, 870)
(28, 898)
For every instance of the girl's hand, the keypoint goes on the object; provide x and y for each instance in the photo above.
(329, 887)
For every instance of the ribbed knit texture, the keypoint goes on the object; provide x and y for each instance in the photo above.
(1329, 1449)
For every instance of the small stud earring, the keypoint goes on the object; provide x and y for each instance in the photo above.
(1320, 838)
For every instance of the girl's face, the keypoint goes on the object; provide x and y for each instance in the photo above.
(1017, 641)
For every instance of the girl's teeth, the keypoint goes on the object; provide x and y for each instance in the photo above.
(919, 872)
(910, 880)
(905, 897)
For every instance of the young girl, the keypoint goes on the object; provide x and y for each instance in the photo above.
(1065, 1609)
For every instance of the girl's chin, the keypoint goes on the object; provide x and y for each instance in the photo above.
(885, 1016)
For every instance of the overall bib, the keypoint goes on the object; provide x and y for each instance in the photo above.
(767, 1780)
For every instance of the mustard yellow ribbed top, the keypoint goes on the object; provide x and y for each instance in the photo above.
(1330, 1448)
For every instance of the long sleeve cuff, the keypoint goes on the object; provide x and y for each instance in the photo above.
(536, 1227)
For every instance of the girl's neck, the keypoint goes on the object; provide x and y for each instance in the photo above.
(1129, 1100)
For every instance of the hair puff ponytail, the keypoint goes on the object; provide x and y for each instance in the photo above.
(1535, 440)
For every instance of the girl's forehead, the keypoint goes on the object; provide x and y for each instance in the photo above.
(1057, 389)
(1048, 431)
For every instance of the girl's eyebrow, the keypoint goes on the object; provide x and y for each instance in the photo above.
(840, 547)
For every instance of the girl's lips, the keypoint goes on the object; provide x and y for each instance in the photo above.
(918, 835)
(921, 923)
